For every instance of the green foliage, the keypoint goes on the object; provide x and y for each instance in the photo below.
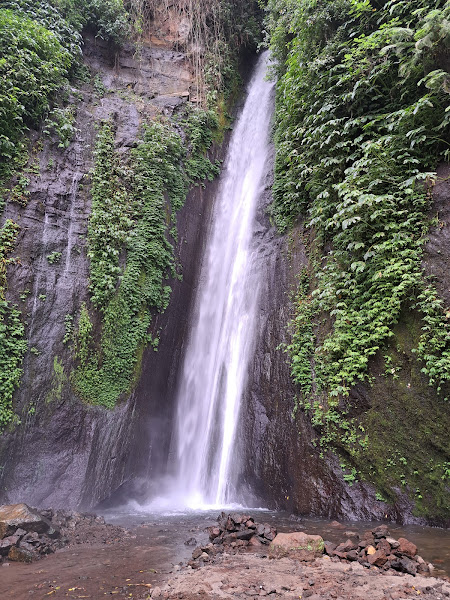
(110, 221)
(199, 127)
(106, 373)
(362, 120)
(301, 347)
(134, 205)
(33, 65)
(357, 134)
(45, 14)
(59, 379)
(60, 121)
(40, 45)
(68, 329)
(54, 257)
(12, 332)
(108, 18)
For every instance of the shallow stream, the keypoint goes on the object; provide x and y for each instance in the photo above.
(172, 529)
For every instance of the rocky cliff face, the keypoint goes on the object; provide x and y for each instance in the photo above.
(284, 463)
(64, 452)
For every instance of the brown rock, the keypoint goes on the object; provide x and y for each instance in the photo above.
(384, 546)
(378, 559)
(299, 540)
(370, 550)
(254, 542)
(329, 547)
(21, 555)
(213, 532)
(347, 546)
(15, 516)
(230, 525)
(406, 547)
(197, 553)
(229, 538)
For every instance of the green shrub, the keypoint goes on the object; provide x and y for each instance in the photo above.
(33, 65)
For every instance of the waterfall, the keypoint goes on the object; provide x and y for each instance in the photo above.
(216, 363)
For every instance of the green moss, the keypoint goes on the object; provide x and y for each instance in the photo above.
(408, 448)
(59, 380)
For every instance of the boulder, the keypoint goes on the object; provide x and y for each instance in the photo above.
(405, 565)
(245, 534)
(380, 532)
(255, 542)
(406, 547)
(21, 516)
(347, 546)
(213, 532)
(378, 558)
(7, 543)
(299, 540)
(329, 547)
(21, 555)
(352, 555)
(384, 546)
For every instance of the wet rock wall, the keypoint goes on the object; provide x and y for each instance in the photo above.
(63, 452)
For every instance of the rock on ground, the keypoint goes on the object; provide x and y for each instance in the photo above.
(250, 575)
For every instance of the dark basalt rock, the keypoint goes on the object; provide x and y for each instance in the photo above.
(378, 549)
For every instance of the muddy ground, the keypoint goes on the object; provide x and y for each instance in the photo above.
(139, 567)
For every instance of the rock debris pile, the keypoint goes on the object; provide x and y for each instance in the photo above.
(27, 534)
(234, 532)
(375, 548)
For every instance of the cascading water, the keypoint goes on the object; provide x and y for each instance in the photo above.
(214, 372)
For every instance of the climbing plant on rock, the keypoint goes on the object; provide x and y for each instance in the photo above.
(362, 121)
(13, 344)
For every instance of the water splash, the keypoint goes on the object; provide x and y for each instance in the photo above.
(215, 369)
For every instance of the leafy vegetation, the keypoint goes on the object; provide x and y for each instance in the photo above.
(131, 217)
(33, 66)
(12, 332)
(362, 120)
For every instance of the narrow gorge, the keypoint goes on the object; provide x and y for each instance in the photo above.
(224, 256)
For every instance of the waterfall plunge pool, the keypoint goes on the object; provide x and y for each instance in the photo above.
(172, 528)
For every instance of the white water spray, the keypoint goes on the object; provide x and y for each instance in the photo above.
(215, 369)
